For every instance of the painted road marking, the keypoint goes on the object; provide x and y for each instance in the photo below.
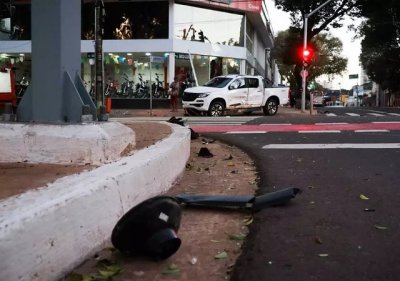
(246, 132)
(394, 114)
(216, 123)
(282, 124)
(331, 123)
(333, 146)
(387, 122)
(376, 114)
(371, 131)
(307, 128)
(331, 114)
(353, 114)
(319, 131)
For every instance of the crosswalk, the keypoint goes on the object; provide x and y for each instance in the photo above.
(353, 114)
(316, 128)
(227, 121)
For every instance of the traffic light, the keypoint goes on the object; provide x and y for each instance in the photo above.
(307, 55)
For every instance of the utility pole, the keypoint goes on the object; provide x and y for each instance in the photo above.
(304, 77)
(99, 31)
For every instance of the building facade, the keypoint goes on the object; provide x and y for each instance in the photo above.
(148, 43)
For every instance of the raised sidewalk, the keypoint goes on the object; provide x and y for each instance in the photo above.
(46, 232)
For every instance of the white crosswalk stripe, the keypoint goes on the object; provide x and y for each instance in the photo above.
(376, 114)
(369, 113)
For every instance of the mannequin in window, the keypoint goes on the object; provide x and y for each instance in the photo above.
(125, 30)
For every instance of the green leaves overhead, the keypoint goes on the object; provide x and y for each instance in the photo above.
(380, 47)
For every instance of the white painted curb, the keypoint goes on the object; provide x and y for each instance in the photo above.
(47, 232)
(94, 143)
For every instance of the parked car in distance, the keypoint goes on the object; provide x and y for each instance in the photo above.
(352, 101)
(318, 100)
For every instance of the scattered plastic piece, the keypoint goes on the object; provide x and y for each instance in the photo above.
(380, 227)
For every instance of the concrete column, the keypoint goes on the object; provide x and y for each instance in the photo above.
(56, 93)
(56, 30)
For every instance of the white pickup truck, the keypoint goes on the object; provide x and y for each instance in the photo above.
(244, 93)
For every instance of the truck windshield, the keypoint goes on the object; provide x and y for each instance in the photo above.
(218, 82)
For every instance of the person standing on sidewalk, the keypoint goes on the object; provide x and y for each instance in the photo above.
(174, 92)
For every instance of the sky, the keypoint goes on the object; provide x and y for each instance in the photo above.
(351, 49)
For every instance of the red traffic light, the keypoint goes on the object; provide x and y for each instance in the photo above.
(306, 54)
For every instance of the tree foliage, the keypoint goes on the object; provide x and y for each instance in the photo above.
(327, 56)
(328, 16)
(380, 47)
(329, 59)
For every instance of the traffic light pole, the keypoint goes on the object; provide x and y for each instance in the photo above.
(304, 76)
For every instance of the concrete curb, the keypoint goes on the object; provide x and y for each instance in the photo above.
(64, 144)
(47, 232)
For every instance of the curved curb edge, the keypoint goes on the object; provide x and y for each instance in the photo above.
(47, 232)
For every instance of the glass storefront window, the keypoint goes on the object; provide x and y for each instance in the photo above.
(206, 67)
(128, 75)
(230, 66)
(249, 37)
(205, 25)
(15, 24)
(128, 20)
(249, 69)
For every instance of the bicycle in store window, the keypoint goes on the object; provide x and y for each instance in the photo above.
(111, 88)
(142, 88)
(158, 89)
(127, 87)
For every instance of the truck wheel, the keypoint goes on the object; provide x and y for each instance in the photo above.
(217, 108)
(271, 107)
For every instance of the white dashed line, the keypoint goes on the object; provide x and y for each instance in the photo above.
(282, 124)
(338, 123)
(319, 131)
(246, 132)
(371, 131)
(332, 146)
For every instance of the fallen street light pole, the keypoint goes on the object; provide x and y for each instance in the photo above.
(247, 202)
(150, 228)
(304, 78)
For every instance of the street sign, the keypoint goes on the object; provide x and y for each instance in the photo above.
(154, 59)
(304, 73)
(353, 76)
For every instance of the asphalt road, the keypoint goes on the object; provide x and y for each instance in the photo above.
(330, 231)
